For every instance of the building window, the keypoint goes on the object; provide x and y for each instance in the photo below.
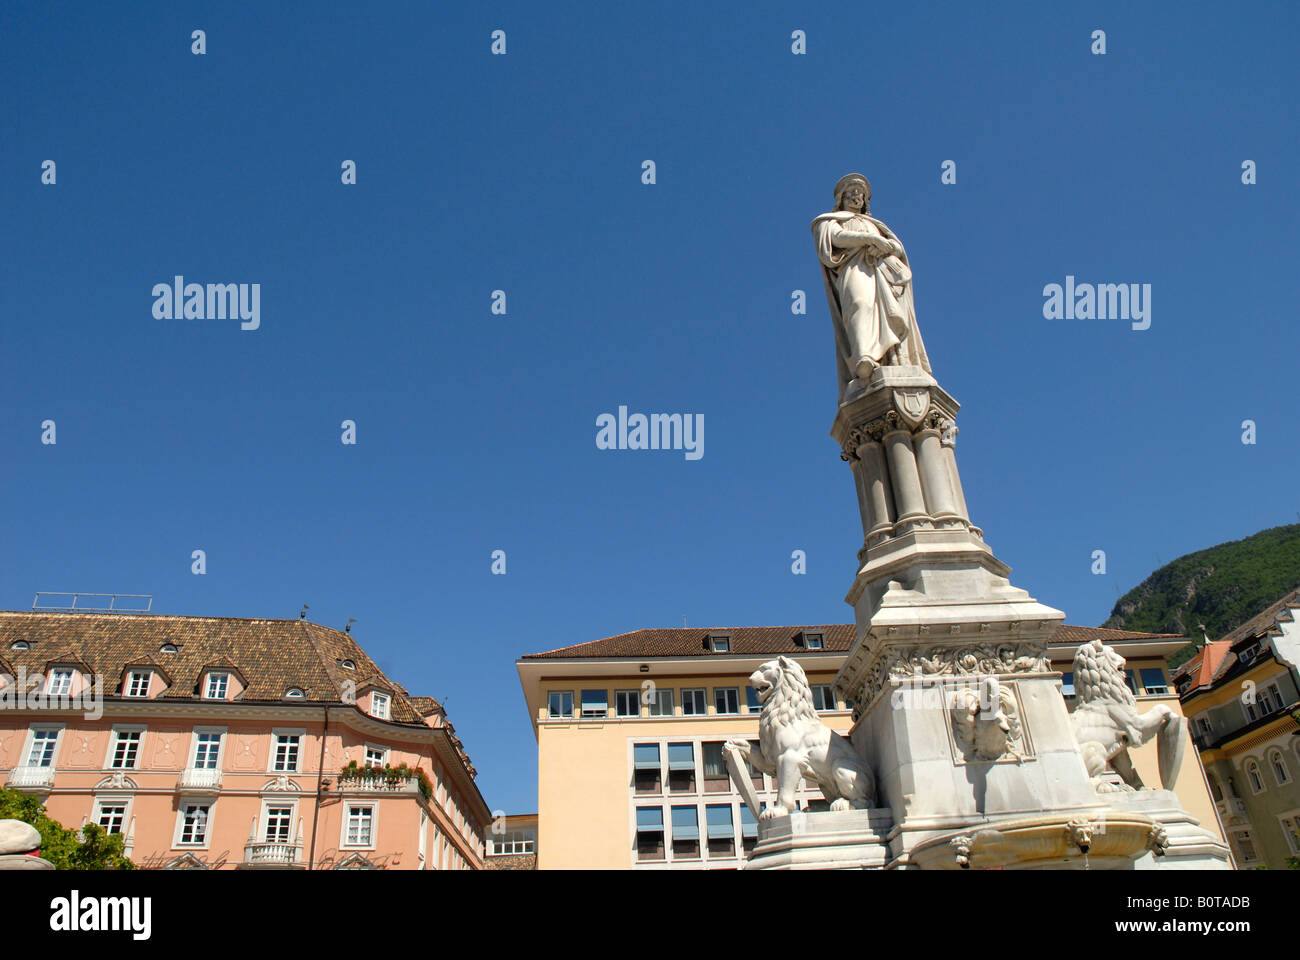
(1205, 726)
(111, 816)
(1280, 772)
(748, 829)
(686, 833)
(1153, 681)
(360, 826)
(751, 700)
(823, 696)
(218, 684)
(41, 753)
(60, 683)
(726, 700)
(376, 756)
(722, 835)
(1255, 777)
(1131, 680)
(126, 749)
(1291, 827)
(20, 645)
(348, 664)
(681, 767)
(194, 824)
(295, 693)
(167, 648)
(1246, 845)
(286, 753)
(1271, 698)
(1216, 791)
(514, 843)
(716, 779)
(693, 703)
(379, 706)
(645, 768)
(1067, 686)
(720, 642)
(812, 641)
(595, 704)
(137, 685)
(627, 703)
(561, 704)
(279, 823)
(661, 703)
(207, 750)
(649, 833)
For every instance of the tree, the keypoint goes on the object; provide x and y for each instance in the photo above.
(92, 848)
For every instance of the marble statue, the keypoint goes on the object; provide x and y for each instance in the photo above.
(868, 287)
(19, 843)
(987, 725)
(794, 743)
(1107, 722)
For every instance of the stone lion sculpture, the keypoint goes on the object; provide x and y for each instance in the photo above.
(794, 743)
(1106, 722)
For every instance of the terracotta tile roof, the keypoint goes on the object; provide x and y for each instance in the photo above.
(751, 641)
(693, 642)
(1077, 636)
(426, 706)
(271, 655)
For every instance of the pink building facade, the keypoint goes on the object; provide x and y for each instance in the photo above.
(218, 743)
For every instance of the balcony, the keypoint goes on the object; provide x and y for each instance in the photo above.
(272, 856)
(30, 778)
(199, 780)
(380, 786)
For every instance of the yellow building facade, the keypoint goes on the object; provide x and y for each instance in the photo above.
(629, 732)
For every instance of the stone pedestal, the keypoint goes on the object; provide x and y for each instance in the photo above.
(956, 706)
(1189, 846)
(845, 839)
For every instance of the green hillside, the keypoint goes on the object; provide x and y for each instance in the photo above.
(1221, 587)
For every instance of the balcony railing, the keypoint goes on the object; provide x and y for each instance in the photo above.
(284, 855)
(199, 780)
(30, 777)
(379, 785)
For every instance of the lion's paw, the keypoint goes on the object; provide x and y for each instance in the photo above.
(840, 804)
(772, 812)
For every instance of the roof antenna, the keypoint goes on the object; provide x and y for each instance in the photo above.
(348, 628)
(683, 620)
(1201, 627)
(302, 614)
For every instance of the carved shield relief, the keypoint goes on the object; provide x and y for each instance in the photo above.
(912, 405)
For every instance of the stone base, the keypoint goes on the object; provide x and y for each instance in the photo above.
(830, 840)
(1190, 847)
(23, 861)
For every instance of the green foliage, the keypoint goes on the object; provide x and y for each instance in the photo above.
(1221, 587)
(93, 849)
(389, 774)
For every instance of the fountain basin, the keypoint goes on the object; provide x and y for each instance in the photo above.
(1112, 841)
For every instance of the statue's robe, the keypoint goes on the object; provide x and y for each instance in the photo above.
(870, 300)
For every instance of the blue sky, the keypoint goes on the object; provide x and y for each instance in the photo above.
(522, 172)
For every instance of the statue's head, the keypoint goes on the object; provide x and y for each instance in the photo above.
(853, 192)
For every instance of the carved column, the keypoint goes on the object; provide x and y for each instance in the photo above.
(935, 479)
(875, 478)
(906, 481)
(947, 446)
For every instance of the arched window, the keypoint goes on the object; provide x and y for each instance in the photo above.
(1254, 776)
(1280, 772)
(1215, 790)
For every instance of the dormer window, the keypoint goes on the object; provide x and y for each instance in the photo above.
(217, 685)
(137, 683)
(379, 703)
(348, 664)
(60, 683)
(1248, 654)
(167, 648)
(813, 641)
(20, 645)
(294, 693)
(720, 642)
